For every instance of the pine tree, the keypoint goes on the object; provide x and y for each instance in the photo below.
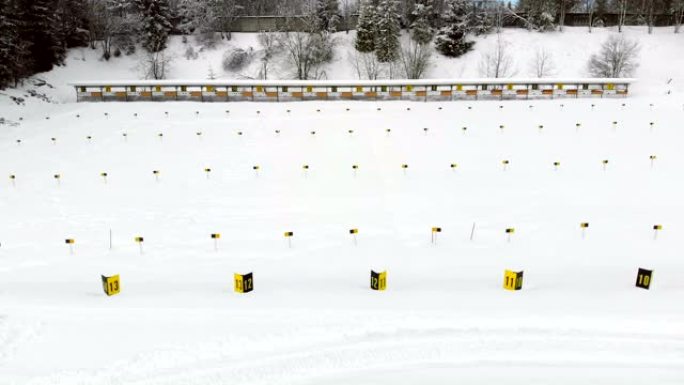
(328, 13)
(421, 29)
(38, 29)
(365, 27)
(9, 39)
(156, 23)
(388, 28)
(481, 18)
(451, 39)
(72, 22)
(189, 13)
(540, 13)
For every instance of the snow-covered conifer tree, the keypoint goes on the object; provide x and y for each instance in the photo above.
(365, 27)
(156, 23)
(451, 39)
(388, 29)
(39, 30)
(9, 41)
(421, 29)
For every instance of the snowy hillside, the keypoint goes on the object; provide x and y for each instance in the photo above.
(312, 317)
(661, 59)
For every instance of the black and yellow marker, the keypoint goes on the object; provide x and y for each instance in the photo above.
(656, 229)
(644, 278)
(584, 226)
(139, 241)
(513, 280)
(378, 281)
(353, 233)
(244, 283)
(433, 234)
(509, 231)
(111, 285)
(215, 237)
(70, 242)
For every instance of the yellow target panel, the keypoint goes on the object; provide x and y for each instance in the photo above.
(111, 285)
(513, 280)
(378, 280)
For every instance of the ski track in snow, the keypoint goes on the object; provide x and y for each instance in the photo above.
(236, 361)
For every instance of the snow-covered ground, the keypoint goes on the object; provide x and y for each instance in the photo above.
(312, 318)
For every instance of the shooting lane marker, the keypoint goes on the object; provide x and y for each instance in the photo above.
(656, 229)
(433, 234)
(70, 242)
(584, 226)
(353, 232)
(139, 240)
(289, 235)
(378, 280)
(513, 280)
(215, 237)
(111, 285)
(509, 231)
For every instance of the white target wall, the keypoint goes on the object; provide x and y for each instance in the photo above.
(298, 90)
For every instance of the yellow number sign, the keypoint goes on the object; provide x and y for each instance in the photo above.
(513, 280)
(378, 280)
(111, 284)
(244, 283)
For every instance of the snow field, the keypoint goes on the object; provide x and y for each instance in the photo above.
(312, 317)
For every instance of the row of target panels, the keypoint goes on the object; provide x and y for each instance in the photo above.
(376, 90)
(244, 283)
